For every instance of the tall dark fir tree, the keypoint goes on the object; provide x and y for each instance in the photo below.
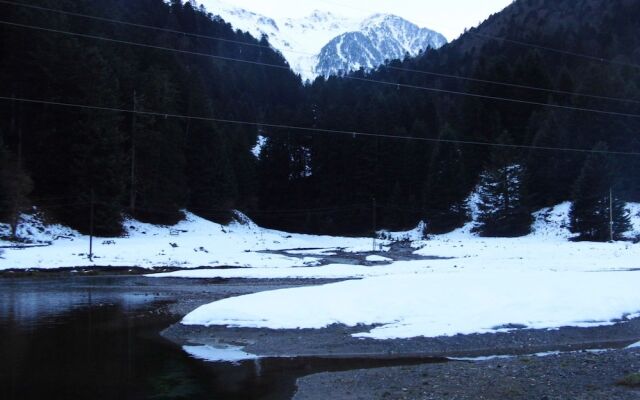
(502, 209)
(597, 214)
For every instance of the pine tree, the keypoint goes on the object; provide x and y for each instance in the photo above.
(549, 175)
(502, 209)
(446, 188)
(591, 211)
(210, 174)
(15, 186)
(88, 166)
(161, 189)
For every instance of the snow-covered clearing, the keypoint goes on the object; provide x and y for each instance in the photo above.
(539, 281)
(437, 304)
(194, 242)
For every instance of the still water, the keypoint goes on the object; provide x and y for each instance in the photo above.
(98, 338)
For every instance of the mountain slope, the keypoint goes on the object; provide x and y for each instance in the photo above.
(381, 37)
(324, 43)
(299, 40)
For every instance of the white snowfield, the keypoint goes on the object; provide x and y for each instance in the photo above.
(194, 242)
(436, 304)
(540, 281)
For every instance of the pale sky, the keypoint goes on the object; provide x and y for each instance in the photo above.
(449, 17)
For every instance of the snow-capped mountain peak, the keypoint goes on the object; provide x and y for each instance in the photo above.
(380, 37)
(324, 43)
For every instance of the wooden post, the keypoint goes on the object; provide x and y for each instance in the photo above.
(132, 194)
(374, 223)
(91, 226)
(611, 213)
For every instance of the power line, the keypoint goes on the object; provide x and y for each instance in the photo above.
(423, 72)
(555, 50)
(135, 25)
(307, 130)
(498, 98)
(510, 84)
(349, 77)
(150, 46)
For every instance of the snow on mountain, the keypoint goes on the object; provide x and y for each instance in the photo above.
(324, 43)
(299, 40)
(380, 37)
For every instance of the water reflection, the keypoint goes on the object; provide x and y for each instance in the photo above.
(89, 338)
(96, 338)
(29, 302)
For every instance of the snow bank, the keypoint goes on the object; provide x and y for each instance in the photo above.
(33, 228)
(232, 354)
(553, 222)
(437, 304)
(194, 242)
(412, 235)
(634, 214)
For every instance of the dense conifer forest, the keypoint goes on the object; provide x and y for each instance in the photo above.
(487, 113)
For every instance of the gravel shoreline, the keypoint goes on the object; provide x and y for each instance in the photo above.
(581, 375)
(336, 341)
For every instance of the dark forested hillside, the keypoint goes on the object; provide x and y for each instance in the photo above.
(151, 164)
(412, 179)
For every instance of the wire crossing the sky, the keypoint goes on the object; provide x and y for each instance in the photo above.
(349, 77)
(422, 72)
(308, 130)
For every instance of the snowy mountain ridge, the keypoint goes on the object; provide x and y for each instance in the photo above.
(380, 37)
(324, 43)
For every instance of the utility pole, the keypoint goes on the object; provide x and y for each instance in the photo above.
(132, 194)
(91, 226)
(16, 127)
(373, 220)
(611, 213)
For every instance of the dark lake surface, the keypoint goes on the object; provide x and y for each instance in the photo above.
(98, 338)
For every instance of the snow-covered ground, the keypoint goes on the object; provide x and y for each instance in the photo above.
(194, 242)
(437, 304)
(542, 280)
(539, 281)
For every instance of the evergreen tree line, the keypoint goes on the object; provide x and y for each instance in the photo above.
(151, 167)
(148, 166)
